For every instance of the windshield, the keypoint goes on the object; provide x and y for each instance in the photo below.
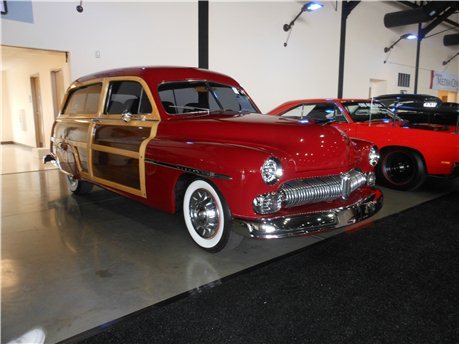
(202, 96)
(317, 112)
(367, 111)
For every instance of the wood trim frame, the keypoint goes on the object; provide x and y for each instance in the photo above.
(150, 120)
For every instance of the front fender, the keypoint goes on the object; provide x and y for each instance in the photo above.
(234, 169)
(361, 154)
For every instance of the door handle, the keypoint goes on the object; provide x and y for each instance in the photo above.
(126, 116)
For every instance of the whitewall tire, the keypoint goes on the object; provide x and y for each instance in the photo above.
(206, 215)
(77, 186)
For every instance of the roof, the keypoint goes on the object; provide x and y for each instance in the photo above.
(159, 74)
(407, 96)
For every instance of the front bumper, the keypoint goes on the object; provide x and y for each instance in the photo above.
(284, 227)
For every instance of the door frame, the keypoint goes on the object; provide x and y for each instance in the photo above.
(37, 110)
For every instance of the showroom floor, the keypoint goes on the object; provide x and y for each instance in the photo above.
(72, 263)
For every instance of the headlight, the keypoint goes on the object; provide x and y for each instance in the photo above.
(373, 156)
(271, 171)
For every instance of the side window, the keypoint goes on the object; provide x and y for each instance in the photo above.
(83, 100)
(320, 113)
(127, 96)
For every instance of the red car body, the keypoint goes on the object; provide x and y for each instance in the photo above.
(194, 142)
(423, 149)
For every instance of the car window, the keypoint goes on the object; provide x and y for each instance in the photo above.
(317, 112)
(367, 111)
(127, 96)
(201, 96)
(83, 100)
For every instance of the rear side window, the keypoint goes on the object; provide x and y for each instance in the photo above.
(83, 100)
(127, 96)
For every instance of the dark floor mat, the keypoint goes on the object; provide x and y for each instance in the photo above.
(393, 282)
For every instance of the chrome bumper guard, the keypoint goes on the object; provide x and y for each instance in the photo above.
(312, 190)
(289, 226)
(50, 157)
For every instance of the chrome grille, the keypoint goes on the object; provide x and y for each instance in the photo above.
(321, 189)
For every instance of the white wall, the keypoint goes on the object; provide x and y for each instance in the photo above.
(246, 42)
(125, 33)
(366, 39)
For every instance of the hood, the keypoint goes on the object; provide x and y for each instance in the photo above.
(407, 124)
(310, 146)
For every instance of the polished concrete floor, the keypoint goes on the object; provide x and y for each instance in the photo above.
(72, 263)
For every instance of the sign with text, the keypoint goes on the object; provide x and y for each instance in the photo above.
(444, 81)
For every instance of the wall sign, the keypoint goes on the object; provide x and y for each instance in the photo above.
(444, 81)
(19, 10)
(3, 7)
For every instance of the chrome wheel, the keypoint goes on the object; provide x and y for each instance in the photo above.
(204, 213)
(77, 186)
(72, 183)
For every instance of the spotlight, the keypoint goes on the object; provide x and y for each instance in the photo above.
(404, 36)
(312, 6)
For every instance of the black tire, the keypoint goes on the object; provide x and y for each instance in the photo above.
(207, 216)
(401, 169)
(77, 186)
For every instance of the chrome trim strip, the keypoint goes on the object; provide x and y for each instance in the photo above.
(201, 173)
(297, 225)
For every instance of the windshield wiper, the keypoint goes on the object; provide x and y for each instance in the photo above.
(194, 109)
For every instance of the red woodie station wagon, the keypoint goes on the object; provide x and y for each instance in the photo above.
(409, 152)
(190, 140)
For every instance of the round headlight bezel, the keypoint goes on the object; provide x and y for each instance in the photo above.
(373, 156)
(271, 171)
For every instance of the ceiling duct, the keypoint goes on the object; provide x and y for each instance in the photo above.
(417, 15)
(449, 40)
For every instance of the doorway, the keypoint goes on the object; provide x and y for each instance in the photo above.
(37, 110)
(34, 82)
(377, 87)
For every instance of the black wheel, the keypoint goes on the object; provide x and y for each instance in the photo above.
(78, 187)
(401, 169)
(206, 215)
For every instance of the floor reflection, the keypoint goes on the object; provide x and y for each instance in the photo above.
(70, 263)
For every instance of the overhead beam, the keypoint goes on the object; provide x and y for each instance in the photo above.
(412, 5)
(417, 15)
(446, 13)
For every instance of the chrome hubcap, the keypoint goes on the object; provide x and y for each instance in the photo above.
(73, 183)
(204, 213)
(399, 168)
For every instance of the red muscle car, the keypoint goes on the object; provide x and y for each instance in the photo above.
(409, 152)
(190, 140)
